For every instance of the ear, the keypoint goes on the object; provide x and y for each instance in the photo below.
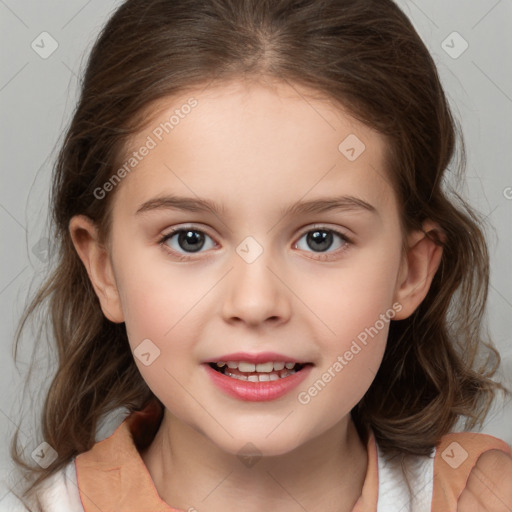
(96, 260)
(419, 266)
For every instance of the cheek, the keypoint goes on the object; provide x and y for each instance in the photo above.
(158, 298)
(163, 323)
(164, 304)
(351, 299)
(355, 305)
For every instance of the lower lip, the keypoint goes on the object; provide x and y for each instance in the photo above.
(257, 391)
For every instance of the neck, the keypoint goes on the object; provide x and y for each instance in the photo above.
(190, 472)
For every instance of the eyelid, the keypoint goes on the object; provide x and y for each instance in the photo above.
(329, 255)
(310, 227)
(343, 232)
(187, 225)
(307, 229)
(183, 256)
(168, 233)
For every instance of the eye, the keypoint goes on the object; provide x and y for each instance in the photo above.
(321, 239)
(187, 239)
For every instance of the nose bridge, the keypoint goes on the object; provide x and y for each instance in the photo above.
(255, 294)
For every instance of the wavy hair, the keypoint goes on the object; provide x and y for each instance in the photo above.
(364, 55)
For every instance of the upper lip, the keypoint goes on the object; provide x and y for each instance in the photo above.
(261, 357)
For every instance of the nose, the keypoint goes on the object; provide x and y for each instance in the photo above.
(256, 293)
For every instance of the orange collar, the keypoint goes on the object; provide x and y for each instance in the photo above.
(113, 476)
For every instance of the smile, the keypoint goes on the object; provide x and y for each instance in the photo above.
(261, 372)
(257, 381)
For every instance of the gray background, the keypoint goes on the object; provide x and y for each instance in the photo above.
(37, 96)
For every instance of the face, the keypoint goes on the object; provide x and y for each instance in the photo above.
(297, 259)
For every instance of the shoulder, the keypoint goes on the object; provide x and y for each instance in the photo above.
(59, 493)
(489, 486)
(462, 461)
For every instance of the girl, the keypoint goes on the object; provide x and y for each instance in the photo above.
(259, 260)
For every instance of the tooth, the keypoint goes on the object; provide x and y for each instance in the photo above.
(232, 364)
(220, 364)
(278, 366)
(239, 377)
(284, 374)
(273, 376)
(289, 365)
(264, 377)
(265, 367)
(252, 378)
(246, 367)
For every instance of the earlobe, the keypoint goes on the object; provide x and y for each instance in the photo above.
(95, 258)
(420, 264)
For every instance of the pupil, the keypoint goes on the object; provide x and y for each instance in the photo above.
(324, 238)
(193, 239)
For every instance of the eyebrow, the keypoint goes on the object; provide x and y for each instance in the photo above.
(343, 203)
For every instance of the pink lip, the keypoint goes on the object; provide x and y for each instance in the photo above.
(257, 391)
(261, 357)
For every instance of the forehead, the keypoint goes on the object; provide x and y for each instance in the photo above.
(276, 139)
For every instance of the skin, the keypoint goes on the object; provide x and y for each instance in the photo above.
(489, 486)
(256, 148)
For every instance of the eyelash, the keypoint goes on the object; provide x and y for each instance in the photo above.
(320, 255)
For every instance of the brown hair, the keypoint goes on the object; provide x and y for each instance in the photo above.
(362, 54)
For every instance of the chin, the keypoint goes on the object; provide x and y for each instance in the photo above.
(256, 443)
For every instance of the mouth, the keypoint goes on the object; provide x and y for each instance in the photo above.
(269, 371)
(257, 377)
